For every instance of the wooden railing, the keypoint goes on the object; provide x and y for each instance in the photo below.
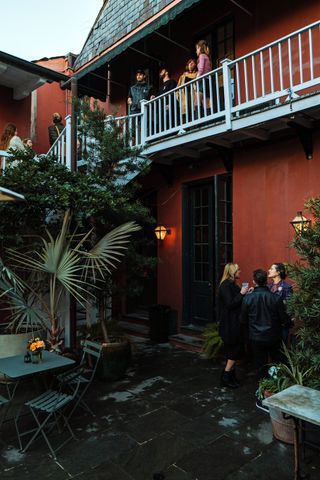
(272, 75)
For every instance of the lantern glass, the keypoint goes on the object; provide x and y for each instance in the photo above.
(300, 223)
(160, 232)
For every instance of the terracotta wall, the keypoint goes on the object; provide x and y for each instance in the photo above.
(50, 99)
(271, 183)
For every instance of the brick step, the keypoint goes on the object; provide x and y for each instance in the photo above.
(186, 342)
(141, 318)
(136, 329)
(192, 331)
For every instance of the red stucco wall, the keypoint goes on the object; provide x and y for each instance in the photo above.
(50, 99)
(270, 184)
(14, 111)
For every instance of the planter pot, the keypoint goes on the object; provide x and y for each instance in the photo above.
(115, 359)
(283, 428)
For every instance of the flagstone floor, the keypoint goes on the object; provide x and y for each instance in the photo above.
(168, 416)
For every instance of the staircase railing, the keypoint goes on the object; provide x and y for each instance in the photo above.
(3, 160)
(61, 148)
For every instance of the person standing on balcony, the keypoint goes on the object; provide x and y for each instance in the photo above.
(138, 92)
(166, 107)
(204, 66)
(10, 139)
(277, 273)
(184, 96)
(56, 128)
(230, 297)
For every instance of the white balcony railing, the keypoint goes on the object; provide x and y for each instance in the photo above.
(3, 161)
(271, 75)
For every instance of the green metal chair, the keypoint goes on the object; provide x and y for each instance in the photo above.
(50, 409)
(3, 404)
(85, 374)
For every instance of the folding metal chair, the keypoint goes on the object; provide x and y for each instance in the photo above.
(86, 371)
(3, 403)
(48, 410)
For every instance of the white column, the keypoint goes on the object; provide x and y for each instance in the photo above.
(227, 90)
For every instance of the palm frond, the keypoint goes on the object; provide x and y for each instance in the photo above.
(108, 249)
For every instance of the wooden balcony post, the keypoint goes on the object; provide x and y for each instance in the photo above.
(227, 91)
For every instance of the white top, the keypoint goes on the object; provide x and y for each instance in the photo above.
(16, 142)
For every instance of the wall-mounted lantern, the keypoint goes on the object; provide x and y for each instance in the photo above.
(300, 223)
(161, 232)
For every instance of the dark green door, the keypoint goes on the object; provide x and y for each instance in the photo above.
(199, 254)
(207, 245)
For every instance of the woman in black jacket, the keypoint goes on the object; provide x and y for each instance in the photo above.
(229, 305)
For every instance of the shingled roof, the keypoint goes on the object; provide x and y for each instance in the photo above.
(116, 19)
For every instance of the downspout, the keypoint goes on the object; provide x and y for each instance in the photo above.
(74, 95)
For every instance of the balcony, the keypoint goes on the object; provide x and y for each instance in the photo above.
(248, 97)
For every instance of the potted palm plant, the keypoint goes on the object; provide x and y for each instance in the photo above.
(69, 264)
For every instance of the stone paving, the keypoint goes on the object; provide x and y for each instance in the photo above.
(169, 416)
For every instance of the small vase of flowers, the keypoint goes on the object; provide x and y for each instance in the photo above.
(35, 347)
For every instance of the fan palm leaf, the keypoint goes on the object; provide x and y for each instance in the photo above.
(65, 267)
(108, 250)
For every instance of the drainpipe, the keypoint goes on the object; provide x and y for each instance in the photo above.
(74, 95)
(108, 88)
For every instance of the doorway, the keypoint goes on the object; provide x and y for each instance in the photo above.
(207, 245)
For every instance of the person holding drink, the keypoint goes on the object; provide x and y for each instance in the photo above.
(230, 297)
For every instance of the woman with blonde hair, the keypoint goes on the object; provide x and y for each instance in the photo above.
(230, 297)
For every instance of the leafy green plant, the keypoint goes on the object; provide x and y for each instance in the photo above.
(212, 340)
(269, 385)
(286, 374)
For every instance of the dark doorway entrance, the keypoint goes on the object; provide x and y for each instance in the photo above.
(207, 245)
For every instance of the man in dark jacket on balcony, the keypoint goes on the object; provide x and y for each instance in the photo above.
(139, 91)
(264, 315)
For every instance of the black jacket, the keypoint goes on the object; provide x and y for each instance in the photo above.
(229, 306)
(139, 91)
(54, 132)
(264, 315)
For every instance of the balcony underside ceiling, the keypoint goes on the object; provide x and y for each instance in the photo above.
(300, 117)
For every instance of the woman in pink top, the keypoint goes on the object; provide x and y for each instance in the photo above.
(204, 66)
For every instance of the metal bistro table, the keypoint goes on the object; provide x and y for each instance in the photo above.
(14, 370)
(301, 404)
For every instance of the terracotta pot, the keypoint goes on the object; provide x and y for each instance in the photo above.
(283, 428)
(115, 359)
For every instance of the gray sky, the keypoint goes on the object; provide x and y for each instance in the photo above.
(32, 29)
